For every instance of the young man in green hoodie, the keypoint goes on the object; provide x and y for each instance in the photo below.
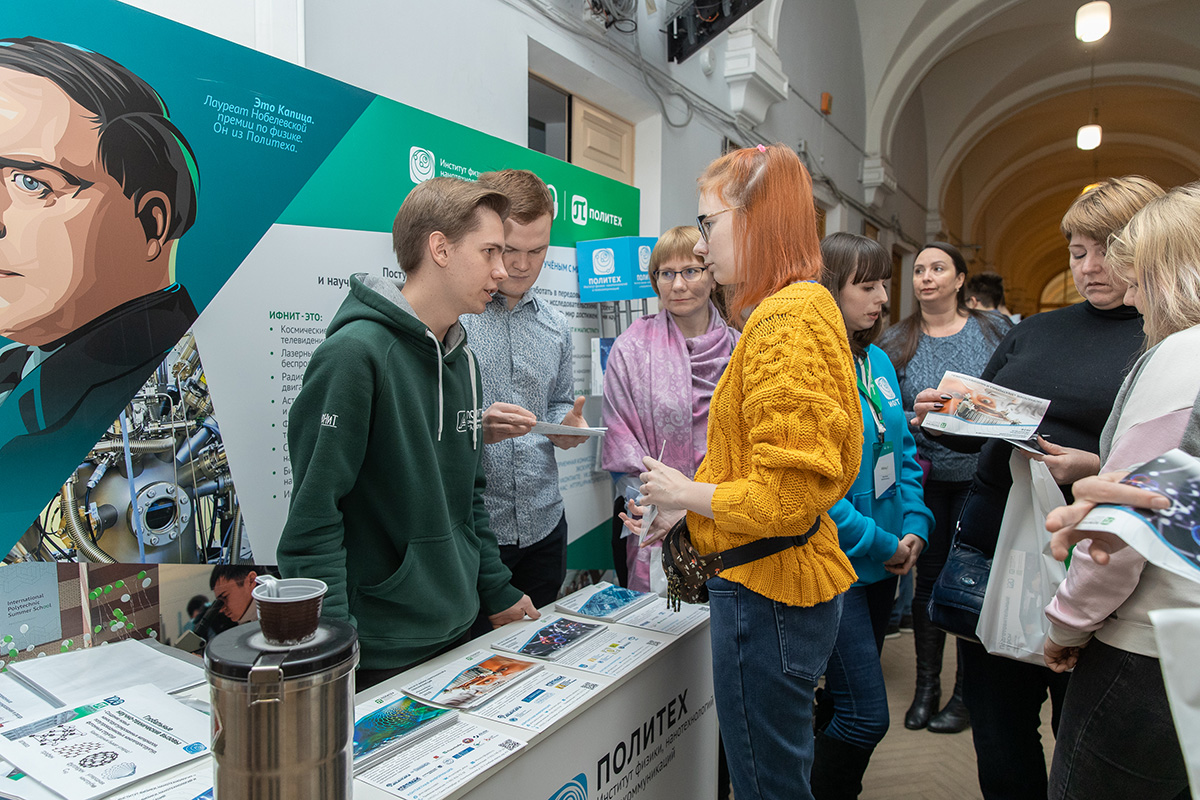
(387, 449)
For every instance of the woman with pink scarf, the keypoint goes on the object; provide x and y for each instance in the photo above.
(660, 377)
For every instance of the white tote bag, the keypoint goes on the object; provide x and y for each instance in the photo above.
(1024, 573)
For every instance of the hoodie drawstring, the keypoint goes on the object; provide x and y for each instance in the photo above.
(441, 398)
(474, 400)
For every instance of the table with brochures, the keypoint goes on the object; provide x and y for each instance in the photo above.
(626, 707)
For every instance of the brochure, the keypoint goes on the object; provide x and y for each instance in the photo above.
(437, 765)
(18, 702)
(538, 704)
(106, 743)
(604, 602)
(472, 680)
(658, 616)
(614, 656)
(1169, 538)
(391, 722)
(70, 678)
(554, 429)
(979, 408)
(550, 639)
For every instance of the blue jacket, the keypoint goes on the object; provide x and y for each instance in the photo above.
(869, 529)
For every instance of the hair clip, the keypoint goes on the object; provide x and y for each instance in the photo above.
(761, 148)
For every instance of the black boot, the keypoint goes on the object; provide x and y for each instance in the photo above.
(954, 718)
(929, 642)
(838, 768)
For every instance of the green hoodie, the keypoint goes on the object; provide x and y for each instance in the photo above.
(387, 461)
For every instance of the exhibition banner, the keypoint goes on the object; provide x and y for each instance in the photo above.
(268, 186)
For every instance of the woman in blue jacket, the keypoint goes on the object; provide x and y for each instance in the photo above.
(882, 524)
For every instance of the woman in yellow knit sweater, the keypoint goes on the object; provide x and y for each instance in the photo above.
(784, 445)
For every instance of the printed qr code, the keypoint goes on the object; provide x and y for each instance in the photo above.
(510, 744)
(589, 685)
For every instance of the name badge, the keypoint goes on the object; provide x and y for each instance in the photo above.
(885, 469)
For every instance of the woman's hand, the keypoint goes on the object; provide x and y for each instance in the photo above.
(926, 401)
(911, 546)
(1059, 658)
(662, 526)
(1090, 492)
(663, 486)
(1066, 464)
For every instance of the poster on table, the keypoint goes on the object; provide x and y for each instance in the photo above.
(249, 191)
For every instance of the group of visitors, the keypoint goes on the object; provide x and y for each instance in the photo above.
(786, 451)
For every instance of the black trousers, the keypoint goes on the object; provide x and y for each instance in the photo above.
(539, 569)
(1005, 699)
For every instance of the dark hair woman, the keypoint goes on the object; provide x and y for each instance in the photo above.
(941, 334)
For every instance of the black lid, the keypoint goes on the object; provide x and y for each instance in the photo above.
(232, 653)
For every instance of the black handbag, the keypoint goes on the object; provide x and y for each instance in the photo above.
(688, 572)
(957, 596)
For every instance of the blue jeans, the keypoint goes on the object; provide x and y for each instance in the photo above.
(854, 676)
(1117, 737)
(767, 657)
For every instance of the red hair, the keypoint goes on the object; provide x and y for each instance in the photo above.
(774, 224)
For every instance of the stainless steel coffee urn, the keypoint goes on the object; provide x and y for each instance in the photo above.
(283, 717)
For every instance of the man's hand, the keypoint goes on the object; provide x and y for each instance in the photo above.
(1066, 464)
(524, 608)
(575, 419)
(926, 401)
(1090, 492)
(1059, 658)
(506, 421)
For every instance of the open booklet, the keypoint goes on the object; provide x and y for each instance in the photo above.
(1169, 538)
(550, 639)
(979, 408)
(472, 680)
(106, 743)
(604, 602)
(391, 722)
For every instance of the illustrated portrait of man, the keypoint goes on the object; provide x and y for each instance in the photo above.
(98, 185)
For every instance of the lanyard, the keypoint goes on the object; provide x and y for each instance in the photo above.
(867, 386)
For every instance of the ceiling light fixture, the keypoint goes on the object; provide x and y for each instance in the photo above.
(1092, 21)
(1088, 137)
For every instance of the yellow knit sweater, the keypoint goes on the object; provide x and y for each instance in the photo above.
(784, 444)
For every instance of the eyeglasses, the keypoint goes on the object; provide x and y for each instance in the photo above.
(702, 222)
(666, 277)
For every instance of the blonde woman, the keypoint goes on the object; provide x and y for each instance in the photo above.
(1116, 737)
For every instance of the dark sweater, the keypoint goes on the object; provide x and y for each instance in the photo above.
(1075, 357)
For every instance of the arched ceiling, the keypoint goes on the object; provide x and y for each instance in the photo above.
(1003, 85)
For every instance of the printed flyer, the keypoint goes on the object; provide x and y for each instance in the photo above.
(391, 722)
(19, 703)
(538, 704)
(472, 680)
(604, 602)
(551, 639)
(616, 655)
(439, 764)
(979, 408)
(98, 747)
(660, 618)
(1169, 538)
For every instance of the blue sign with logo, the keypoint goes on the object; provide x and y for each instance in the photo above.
(615, 269)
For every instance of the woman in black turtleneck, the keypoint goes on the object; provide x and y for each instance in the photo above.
(1076, 357)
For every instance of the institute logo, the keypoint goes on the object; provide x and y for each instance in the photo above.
(603, 261)
(579, 209)
(885, 387)
(554, 196)
(644, 258)
(329, 420)
(421, 164)
(575, 789)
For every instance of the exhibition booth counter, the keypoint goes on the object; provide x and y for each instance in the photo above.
(596, 699)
